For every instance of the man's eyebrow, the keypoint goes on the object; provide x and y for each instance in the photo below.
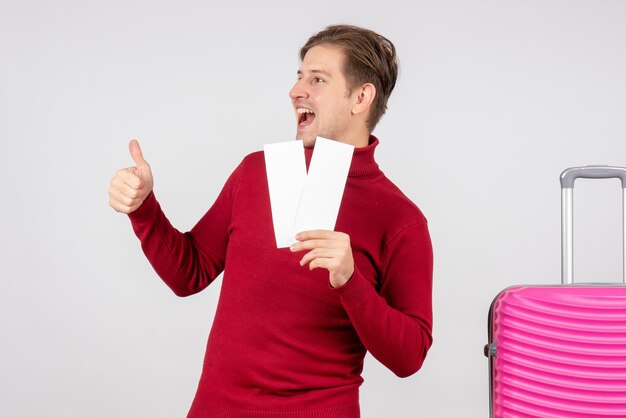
(325, 73)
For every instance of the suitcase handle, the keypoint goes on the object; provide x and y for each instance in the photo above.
(568, 177)
(592, 172)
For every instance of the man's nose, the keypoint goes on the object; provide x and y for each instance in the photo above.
(298, 91)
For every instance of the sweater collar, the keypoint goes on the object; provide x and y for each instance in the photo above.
(363, 163)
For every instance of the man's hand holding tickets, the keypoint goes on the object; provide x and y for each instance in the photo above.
(328, 249)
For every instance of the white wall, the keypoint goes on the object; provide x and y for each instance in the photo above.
(495, 98)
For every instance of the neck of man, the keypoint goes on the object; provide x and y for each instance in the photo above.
(359, 138)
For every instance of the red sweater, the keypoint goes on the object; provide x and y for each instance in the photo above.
(284, 344)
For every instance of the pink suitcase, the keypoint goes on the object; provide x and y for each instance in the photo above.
(560, 351)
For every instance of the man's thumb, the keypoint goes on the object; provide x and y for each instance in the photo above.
(135, 152)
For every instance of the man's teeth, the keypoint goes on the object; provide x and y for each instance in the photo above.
(303, 110)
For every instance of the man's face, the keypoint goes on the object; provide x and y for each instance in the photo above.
(320, 97)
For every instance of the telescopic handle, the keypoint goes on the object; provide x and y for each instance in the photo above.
(568, 177)
(592, 172)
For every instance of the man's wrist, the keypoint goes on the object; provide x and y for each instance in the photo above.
(335, 284)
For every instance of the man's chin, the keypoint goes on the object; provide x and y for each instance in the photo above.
(307, 140)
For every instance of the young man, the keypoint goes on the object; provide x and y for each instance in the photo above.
(293, 325)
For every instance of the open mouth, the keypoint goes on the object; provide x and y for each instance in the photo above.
(305, 116)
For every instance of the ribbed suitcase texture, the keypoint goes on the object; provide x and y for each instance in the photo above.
(560, 352)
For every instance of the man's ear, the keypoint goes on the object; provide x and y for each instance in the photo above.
(364, 98)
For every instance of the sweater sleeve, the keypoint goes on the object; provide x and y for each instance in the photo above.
(395, 325)
(187, 262)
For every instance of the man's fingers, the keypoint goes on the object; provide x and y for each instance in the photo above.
(318, 234)
(127, 197)
(325, 263)
(130, 186)
(308, 257)
(314, 243)
(129, 177)
(318, 253)
(142, 168)
(126, 191)
(312, 239)
(135, 152)
(329, 250)
(120, 202)
(132, 178)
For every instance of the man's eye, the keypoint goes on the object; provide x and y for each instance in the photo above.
(318, 80)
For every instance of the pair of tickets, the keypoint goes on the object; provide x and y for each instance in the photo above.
(301, 200)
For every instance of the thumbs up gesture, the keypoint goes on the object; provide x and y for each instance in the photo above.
(130, 186)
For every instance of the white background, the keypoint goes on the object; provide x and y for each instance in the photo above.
(494, 100)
